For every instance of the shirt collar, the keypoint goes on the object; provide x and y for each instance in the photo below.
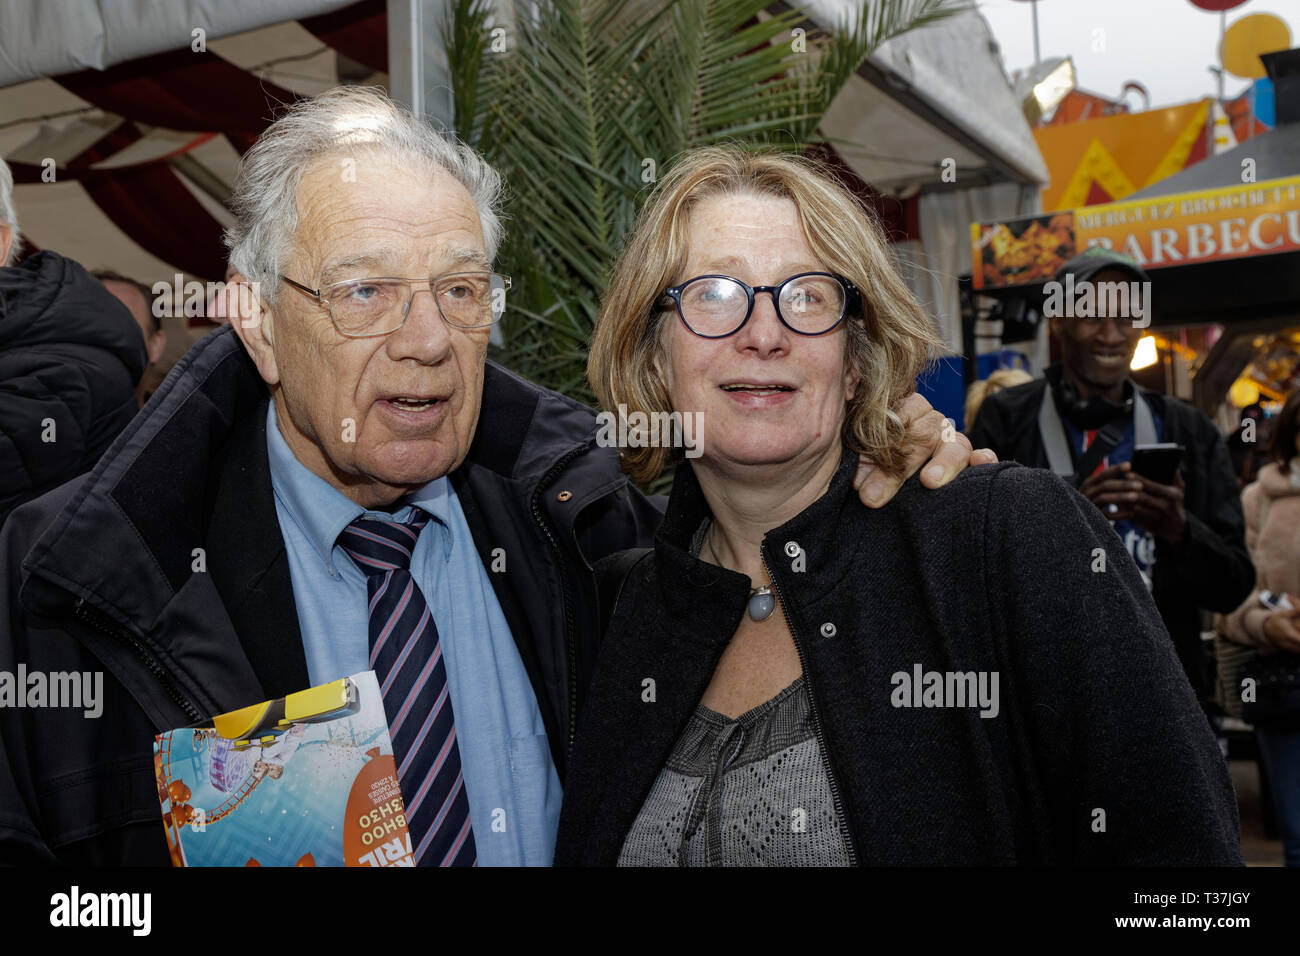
(435, 499)
(321, 511)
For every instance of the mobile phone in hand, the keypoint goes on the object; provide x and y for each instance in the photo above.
(1158, 462)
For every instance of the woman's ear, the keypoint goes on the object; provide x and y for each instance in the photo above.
(852, 378)
(253, 323)
(659, 356)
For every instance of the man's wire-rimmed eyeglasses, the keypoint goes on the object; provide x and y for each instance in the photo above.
(378, 306)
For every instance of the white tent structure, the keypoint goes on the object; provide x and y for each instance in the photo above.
(930, 119)
(933, 114)
(48, 39)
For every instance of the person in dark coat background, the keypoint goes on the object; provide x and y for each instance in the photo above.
(1187, 538)
(70, 358)
(139, 301)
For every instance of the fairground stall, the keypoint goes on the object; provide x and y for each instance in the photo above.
(1221, 243)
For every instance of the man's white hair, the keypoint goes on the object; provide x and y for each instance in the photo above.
(345, 120)
(9, 214)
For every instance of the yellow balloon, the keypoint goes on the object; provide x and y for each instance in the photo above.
(1246, 39)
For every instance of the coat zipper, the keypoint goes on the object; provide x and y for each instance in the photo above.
(102, 622)
(570, 640)
(816, 718)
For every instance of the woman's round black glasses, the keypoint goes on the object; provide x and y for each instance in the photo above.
(810, 303)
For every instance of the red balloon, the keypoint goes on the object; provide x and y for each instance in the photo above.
(1215, 6)
(178, 792)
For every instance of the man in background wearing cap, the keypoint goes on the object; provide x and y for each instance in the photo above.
(1083, 420)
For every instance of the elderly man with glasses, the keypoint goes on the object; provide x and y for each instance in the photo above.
(338, 482)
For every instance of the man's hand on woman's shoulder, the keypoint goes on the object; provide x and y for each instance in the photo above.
(936, 444)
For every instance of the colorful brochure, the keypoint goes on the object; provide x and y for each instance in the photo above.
(306, 780)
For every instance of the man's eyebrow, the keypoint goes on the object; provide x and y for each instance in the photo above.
(372, 264)
(346, 268)
(475, 257)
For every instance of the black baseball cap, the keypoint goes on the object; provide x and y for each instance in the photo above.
(1092, 260)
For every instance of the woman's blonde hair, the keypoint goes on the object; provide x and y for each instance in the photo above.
(888, 345)
(1002, 378)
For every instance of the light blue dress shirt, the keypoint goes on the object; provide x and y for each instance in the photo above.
(510, 779)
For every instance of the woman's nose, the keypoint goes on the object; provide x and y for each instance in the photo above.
(764, 330)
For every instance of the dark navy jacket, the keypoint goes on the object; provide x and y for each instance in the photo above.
(99, 575)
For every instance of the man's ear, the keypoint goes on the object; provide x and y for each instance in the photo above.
(157, 345)
(252, 322)
(6, 243)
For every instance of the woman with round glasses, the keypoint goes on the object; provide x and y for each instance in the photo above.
(974, 675)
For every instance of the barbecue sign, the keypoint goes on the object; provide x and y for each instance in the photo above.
(1247, 220)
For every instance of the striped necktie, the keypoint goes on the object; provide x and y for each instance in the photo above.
(406, 656)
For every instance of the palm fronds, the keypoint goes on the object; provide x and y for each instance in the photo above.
(591, 100)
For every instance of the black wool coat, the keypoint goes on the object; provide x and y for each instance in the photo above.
(1098, 754)
(1211, 568)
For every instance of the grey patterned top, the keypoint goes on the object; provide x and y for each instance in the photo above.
(745, 792)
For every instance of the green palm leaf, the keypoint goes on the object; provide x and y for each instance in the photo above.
(593, 99)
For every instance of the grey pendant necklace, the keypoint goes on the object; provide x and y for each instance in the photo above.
(761, 600)
(761, 604)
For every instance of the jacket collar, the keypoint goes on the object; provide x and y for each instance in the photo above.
(176, 525)
(156, 487)
(523, 428)
(809, 554)
(1280, 481)
(249, 565)
(534, 439)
